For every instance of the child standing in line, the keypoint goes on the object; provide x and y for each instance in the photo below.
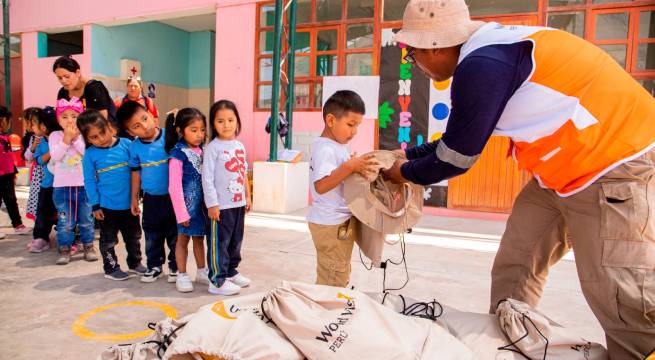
(149, 164)
(227, 195)
(185, 133)
(66, 151)
(8, 174)
(107, 183)
(44, 124)
(332, 231)
(30, 142)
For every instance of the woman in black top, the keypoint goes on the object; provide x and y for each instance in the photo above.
(92, 93)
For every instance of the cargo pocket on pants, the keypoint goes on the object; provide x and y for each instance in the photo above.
(628, 256)
(623, 210)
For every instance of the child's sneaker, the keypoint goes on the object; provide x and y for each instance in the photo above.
(228, 288)
(172, 275)
(39, 245)
(73, 249)
(240, 280)
(64, 255)
(117, 275)
(21, 230)
(183, 283)
(30, 243)
(90, 253)
(2, 235)
(152, 274)
(138, 270)
(202, 276)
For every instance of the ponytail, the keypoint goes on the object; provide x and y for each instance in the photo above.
(171, 132)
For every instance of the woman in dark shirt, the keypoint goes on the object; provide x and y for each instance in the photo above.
(92, 93)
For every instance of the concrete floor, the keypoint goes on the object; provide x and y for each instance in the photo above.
(449, 259)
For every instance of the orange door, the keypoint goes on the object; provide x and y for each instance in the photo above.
(494, 181)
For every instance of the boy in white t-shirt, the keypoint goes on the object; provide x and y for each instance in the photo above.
(329, 220)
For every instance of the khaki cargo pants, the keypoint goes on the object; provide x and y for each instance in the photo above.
(611, 228)
(334, 248)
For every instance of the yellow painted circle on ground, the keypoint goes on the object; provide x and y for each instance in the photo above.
(79, 326)
(436, 136)
(441, 85)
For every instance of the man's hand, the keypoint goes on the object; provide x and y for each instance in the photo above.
(214, 212)
(394, 174)
(136, 211)
(99, 215)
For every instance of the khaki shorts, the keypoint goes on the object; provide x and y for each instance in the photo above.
(334, 247)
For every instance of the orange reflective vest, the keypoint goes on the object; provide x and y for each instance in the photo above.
(577, 116)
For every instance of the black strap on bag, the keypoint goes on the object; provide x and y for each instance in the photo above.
(525, 319)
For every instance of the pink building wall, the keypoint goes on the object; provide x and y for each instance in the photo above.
(40, 85)
(234, 60)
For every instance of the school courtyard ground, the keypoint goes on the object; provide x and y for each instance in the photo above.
(73, 312)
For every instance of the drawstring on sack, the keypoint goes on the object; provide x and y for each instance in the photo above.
(524, 318)
(425, 310)
(161, 345)
(401, 239)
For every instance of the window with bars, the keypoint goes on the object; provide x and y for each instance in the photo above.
(624, 29)
(333, 37)
(342, 37)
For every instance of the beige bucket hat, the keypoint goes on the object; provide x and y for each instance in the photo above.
(381, 205)
(434, 24)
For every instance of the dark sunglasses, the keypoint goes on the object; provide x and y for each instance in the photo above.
(409, 56)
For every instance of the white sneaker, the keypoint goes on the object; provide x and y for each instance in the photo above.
(240, 280)
(2, 235)
(183, 283)
(202, 276)
(228, 288)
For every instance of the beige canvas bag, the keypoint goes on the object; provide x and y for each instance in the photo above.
(381, 206)
(538, 337)
(335, 323)
(483, 335)
(231, 329)
(153, 347)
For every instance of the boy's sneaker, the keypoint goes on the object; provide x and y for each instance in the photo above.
(21, 230)
(73, 249)
(138, 270)
(202, 276)
(39, 245)
(172, 275)
(183, 283)
(228, 288)
(151, 275)
(90, 253)
(64, 255)
(240, 280)
(117, 275)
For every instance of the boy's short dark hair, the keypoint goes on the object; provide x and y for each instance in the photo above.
(126, 111)
(342, 102)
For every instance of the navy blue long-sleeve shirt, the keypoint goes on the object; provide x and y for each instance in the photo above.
(482, 85)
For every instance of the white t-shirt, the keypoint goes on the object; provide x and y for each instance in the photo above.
(224, 170)
(329, 208)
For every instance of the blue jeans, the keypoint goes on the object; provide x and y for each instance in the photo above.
(73, 209)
